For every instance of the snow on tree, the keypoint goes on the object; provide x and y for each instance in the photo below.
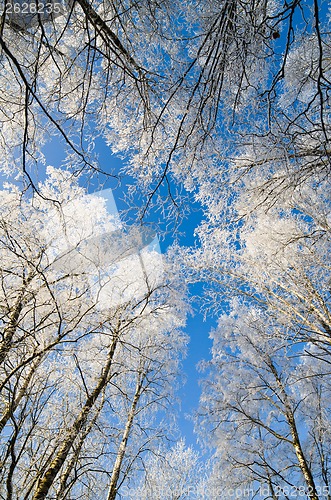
(170, 474)
(265, 408)
(230, 100)
(190, 92)
(265, 401)
(84, 382)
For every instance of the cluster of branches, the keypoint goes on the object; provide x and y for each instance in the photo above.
(265, 405)
(230, 98)
(172, 87)
(89, 353)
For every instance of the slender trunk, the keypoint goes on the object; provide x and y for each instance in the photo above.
(45, 483)
(9, 332)
(305, 469)
(10, 476)
(14, 404)
(112, 492)
(63, 489)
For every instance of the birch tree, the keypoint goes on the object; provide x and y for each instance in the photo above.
(267, 388)
(184, 90)
(265, 407)
(229, 100)
(86, 366)
(171, 474)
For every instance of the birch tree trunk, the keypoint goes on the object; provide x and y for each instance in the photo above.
(10, 331)
(12, 405)
(50, 475)
(304, 467)
(123, 445)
